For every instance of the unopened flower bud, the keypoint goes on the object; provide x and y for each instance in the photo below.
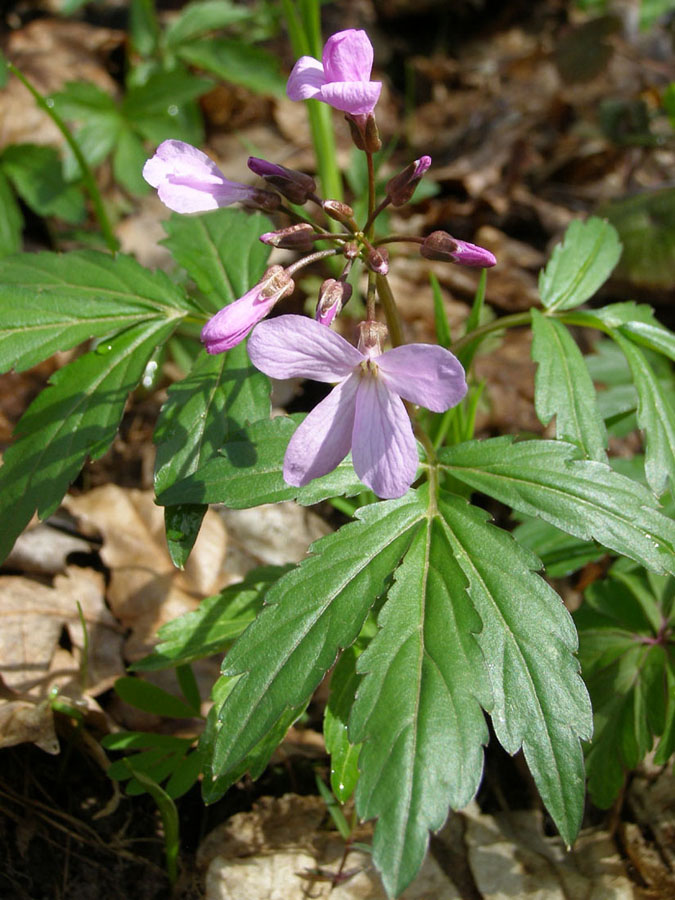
(441, 246)
(378, 260)
(371, 337)
(351, 250)
(372, 136)
(294, 186)
(295, 237)
(402, 186)
(357, 134)
(341, 212)
(275, 282)
(332, 297)
(264, 200)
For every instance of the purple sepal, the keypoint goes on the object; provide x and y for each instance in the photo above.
(402, 186)
(295, 186)
(439, 245)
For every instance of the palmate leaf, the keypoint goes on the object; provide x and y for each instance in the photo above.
(220, 395)
(629, 666)
(51, 301)
(656, 417)
(580, 265)
(311, 613)
(247, 472)
(418, 709)
(220, 250)
(77, 416)
(564, 389)
(37, 176)
(635, 320)
(580, 496)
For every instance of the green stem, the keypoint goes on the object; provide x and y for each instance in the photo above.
(513, 321)
(368, 230)
(390, 311)
(87, 174)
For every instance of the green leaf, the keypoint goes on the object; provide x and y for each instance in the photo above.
(425, 681)
(51, 302)
(220, 251)
(143, 27)
(234, 61)
(128, 159)
(580, 265)
(37, 176)
(582, 497)
(344, 756)
(656, 418)
(564, 389)
(162, 95)
(100, 120)
(77, 416)
(248, 472)
(627, 671)
(150, 698)
(635, 320)
(82, 100)
(212, 628)
(561, 554)
(311, 613)
(11, 219)
(219, 396)
(528, 640)
(652, 10)
(440, 314)
(196, 19)
(170, 821)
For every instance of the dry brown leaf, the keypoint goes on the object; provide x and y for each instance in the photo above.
(43, 550)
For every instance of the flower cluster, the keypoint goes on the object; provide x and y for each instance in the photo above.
(365, 412)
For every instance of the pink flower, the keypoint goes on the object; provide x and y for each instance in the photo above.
(364, 412)
(342, 79)
(187, 181)
(230, 326)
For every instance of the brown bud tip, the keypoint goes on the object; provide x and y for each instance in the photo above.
(402, 186)
(276, 280)
(372, 336)
(337, 210)
(372, 135)
(351, 250)
(332, 297)
(295, 237)
(264, 200)
(440, 245)
(378, 261)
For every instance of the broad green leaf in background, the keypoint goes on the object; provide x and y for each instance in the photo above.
(236, 62)
(129, 157)
(636, 320)
(580, 264)
(528, 639)
(645, 223)
(151, 698)
(162, 757)
(221, 394)
(99, 122)
(37, 175)
(656, 418)
(344, 755)
(73, 418)
(212, 628)
(561, 554)
(221, 251)
(628, 663)
(160, 97)
(564, 389)
(652, 10)
(11, 219)
(51, 302)
(197, 18)
(582, 497)
(248, 472)
(418, 710)
(310, 614)
(143, 27)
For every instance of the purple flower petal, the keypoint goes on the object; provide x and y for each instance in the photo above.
(323, 439)
(306, 79)
(424, 374)
(296, 347)
(354, 97)
(348, 56)
(384, 451)
(179, 158)
(230, 326)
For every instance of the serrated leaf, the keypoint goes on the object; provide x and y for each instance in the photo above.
(626, 669)
(51, 302)
(75, 417)
(236, 62)
(656, 418)
(580, 496)
(311, 613)
(561, 554)
(197, 18)
(211, 628)
(37, 176)
(11, 219)
(344, 755)
(580, 264)
(248, 472)
(425, 680)
(636, 321)
(528, 640)
(220, 251)
(221, 394)
(564, 389)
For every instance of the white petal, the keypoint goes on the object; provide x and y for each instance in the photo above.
(384, 451)
(305, 79)
(323, 439)
(298, 347)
